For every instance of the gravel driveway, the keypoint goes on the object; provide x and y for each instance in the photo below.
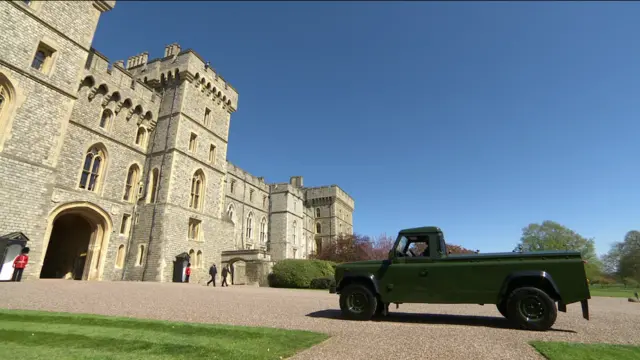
(410, 332)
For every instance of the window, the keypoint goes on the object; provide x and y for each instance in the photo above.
(199, 259)
(295, 205)
(340, 228)
(294, 253)
(124, 225)
(92, 169)
(3, 98)
(212, 154)
(193, 142)
(250, 226)
(43, 58)
(6, 101)
(317, 212)
(413, 246)
(140, 255)
(295, 229)
(231, 213)
(233, 186)
(251, 195)
(192, 257)
(264, 201)
(27, 2)
(194, 229)
(318, 228)
(105, 119)
(263, 230)
(120, 257)
(141, 136)
(131, 184)
(207, 117)
(339, 213)
(195, 201)
(153, 185)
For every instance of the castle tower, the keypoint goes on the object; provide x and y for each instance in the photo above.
(44, 48)
(187, 159)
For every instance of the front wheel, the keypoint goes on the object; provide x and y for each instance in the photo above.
(532, 309)
(357, 302)
(502, 308)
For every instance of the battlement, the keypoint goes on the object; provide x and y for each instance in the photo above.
(117, 85)
(104, 5)
(188, 65)
(246, 176)
(286, 187)
(329, 191)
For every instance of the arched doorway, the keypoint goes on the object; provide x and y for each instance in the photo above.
(78, 237)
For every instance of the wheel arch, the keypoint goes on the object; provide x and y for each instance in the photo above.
(368, 280)
(535, 278)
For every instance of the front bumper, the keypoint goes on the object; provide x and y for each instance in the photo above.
(332, 289)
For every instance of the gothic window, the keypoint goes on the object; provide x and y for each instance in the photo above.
(92, 169)
(153, 185)
(250, 226)
(318, 228)
(192, 257)
(199, 259)
(193, 142)
(264, 201)
(105, 119)
(194, 229)
(141, 136)
(130, 185)
(233, 186)
(140, 255)
(263, 230)
(317, 212)
(212, 154)
(197, 181)
(207, 117)
(3, 98)
(251, 195)
(120, 257)
(230, 213)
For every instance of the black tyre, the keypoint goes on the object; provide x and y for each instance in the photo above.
(357, 302)
(502, 308)
(532, 309)
(379, 308)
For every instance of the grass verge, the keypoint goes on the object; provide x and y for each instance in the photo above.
(44, 335)
(612, 291)
(576, 351)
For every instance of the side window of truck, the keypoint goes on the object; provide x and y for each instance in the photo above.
(420, 246)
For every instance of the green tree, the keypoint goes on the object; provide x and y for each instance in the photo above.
(551, 235)
(629, 263)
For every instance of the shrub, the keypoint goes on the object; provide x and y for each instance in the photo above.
(298, 273)
(322, 283)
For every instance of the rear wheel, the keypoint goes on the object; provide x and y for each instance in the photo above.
(357, 302)
(531, 309)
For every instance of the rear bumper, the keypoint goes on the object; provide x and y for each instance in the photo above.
(332, 289)
(585, 308)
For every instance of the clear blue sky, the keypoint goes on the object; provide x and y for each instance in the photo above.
(479, 118)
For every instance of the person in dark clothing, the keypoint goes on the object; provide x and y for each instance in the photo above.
(19, 263)
(187, 273)
(213, 271)
(225, 271)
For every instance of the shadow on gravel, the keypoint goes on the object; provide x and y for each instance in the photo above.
(443, 319)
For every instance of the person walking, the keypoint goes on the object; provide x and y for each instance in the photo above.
(213, 271)
(225, 271)
(187, 273)
(19, 264)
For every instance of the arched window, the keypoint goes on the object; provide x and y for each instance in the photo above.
(250, 226)
(120, 257)
(231, 213)
(317, 212)
(141, 136)
(197, 185)
(92, 169)
(105, 119)
(318, 228)
(199, 259)
(6, 100)
(263, 230)
(192, 257)
(3, 98)
(153, 185)
(295, 229)
(140, 255)
(131, 185)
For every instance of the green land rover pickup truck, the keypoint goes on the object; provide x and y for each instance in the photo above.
(524, 286)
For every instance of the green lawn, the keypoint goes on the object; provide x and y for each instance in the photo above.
(575, 351)
(612, 291)
(43, 335)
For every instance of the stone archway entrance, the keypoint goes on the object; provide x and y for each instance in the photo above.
(251, 267)
(78, 236)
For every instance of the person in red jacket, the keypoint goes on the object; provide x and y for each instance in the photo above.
(188, 272)
(19, 264)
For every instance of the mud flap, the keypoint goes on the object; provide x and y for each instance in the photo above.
(562, 306)
(585, 308)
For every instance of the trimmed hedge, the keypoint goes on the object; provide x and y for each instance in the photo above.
(322, 283)
(299, 273)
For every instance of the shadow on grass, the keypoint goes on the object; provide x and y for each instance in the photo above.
(440, 319)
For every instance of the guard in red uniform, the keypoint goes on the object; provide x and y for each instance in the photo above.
(19, 264)
(188, 272)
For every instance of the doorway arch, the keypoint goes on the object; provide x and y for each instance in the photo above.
(76, 242)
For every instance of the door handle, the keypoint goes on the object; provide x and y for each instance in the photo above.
(424, 273)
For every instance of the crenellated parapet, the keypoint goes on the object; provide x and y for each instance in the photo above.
(184, 65)
(322, 193)
(240, 173)
(113, 86)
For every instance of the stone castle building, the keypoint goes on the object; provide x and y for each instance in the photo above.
(117, 171)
